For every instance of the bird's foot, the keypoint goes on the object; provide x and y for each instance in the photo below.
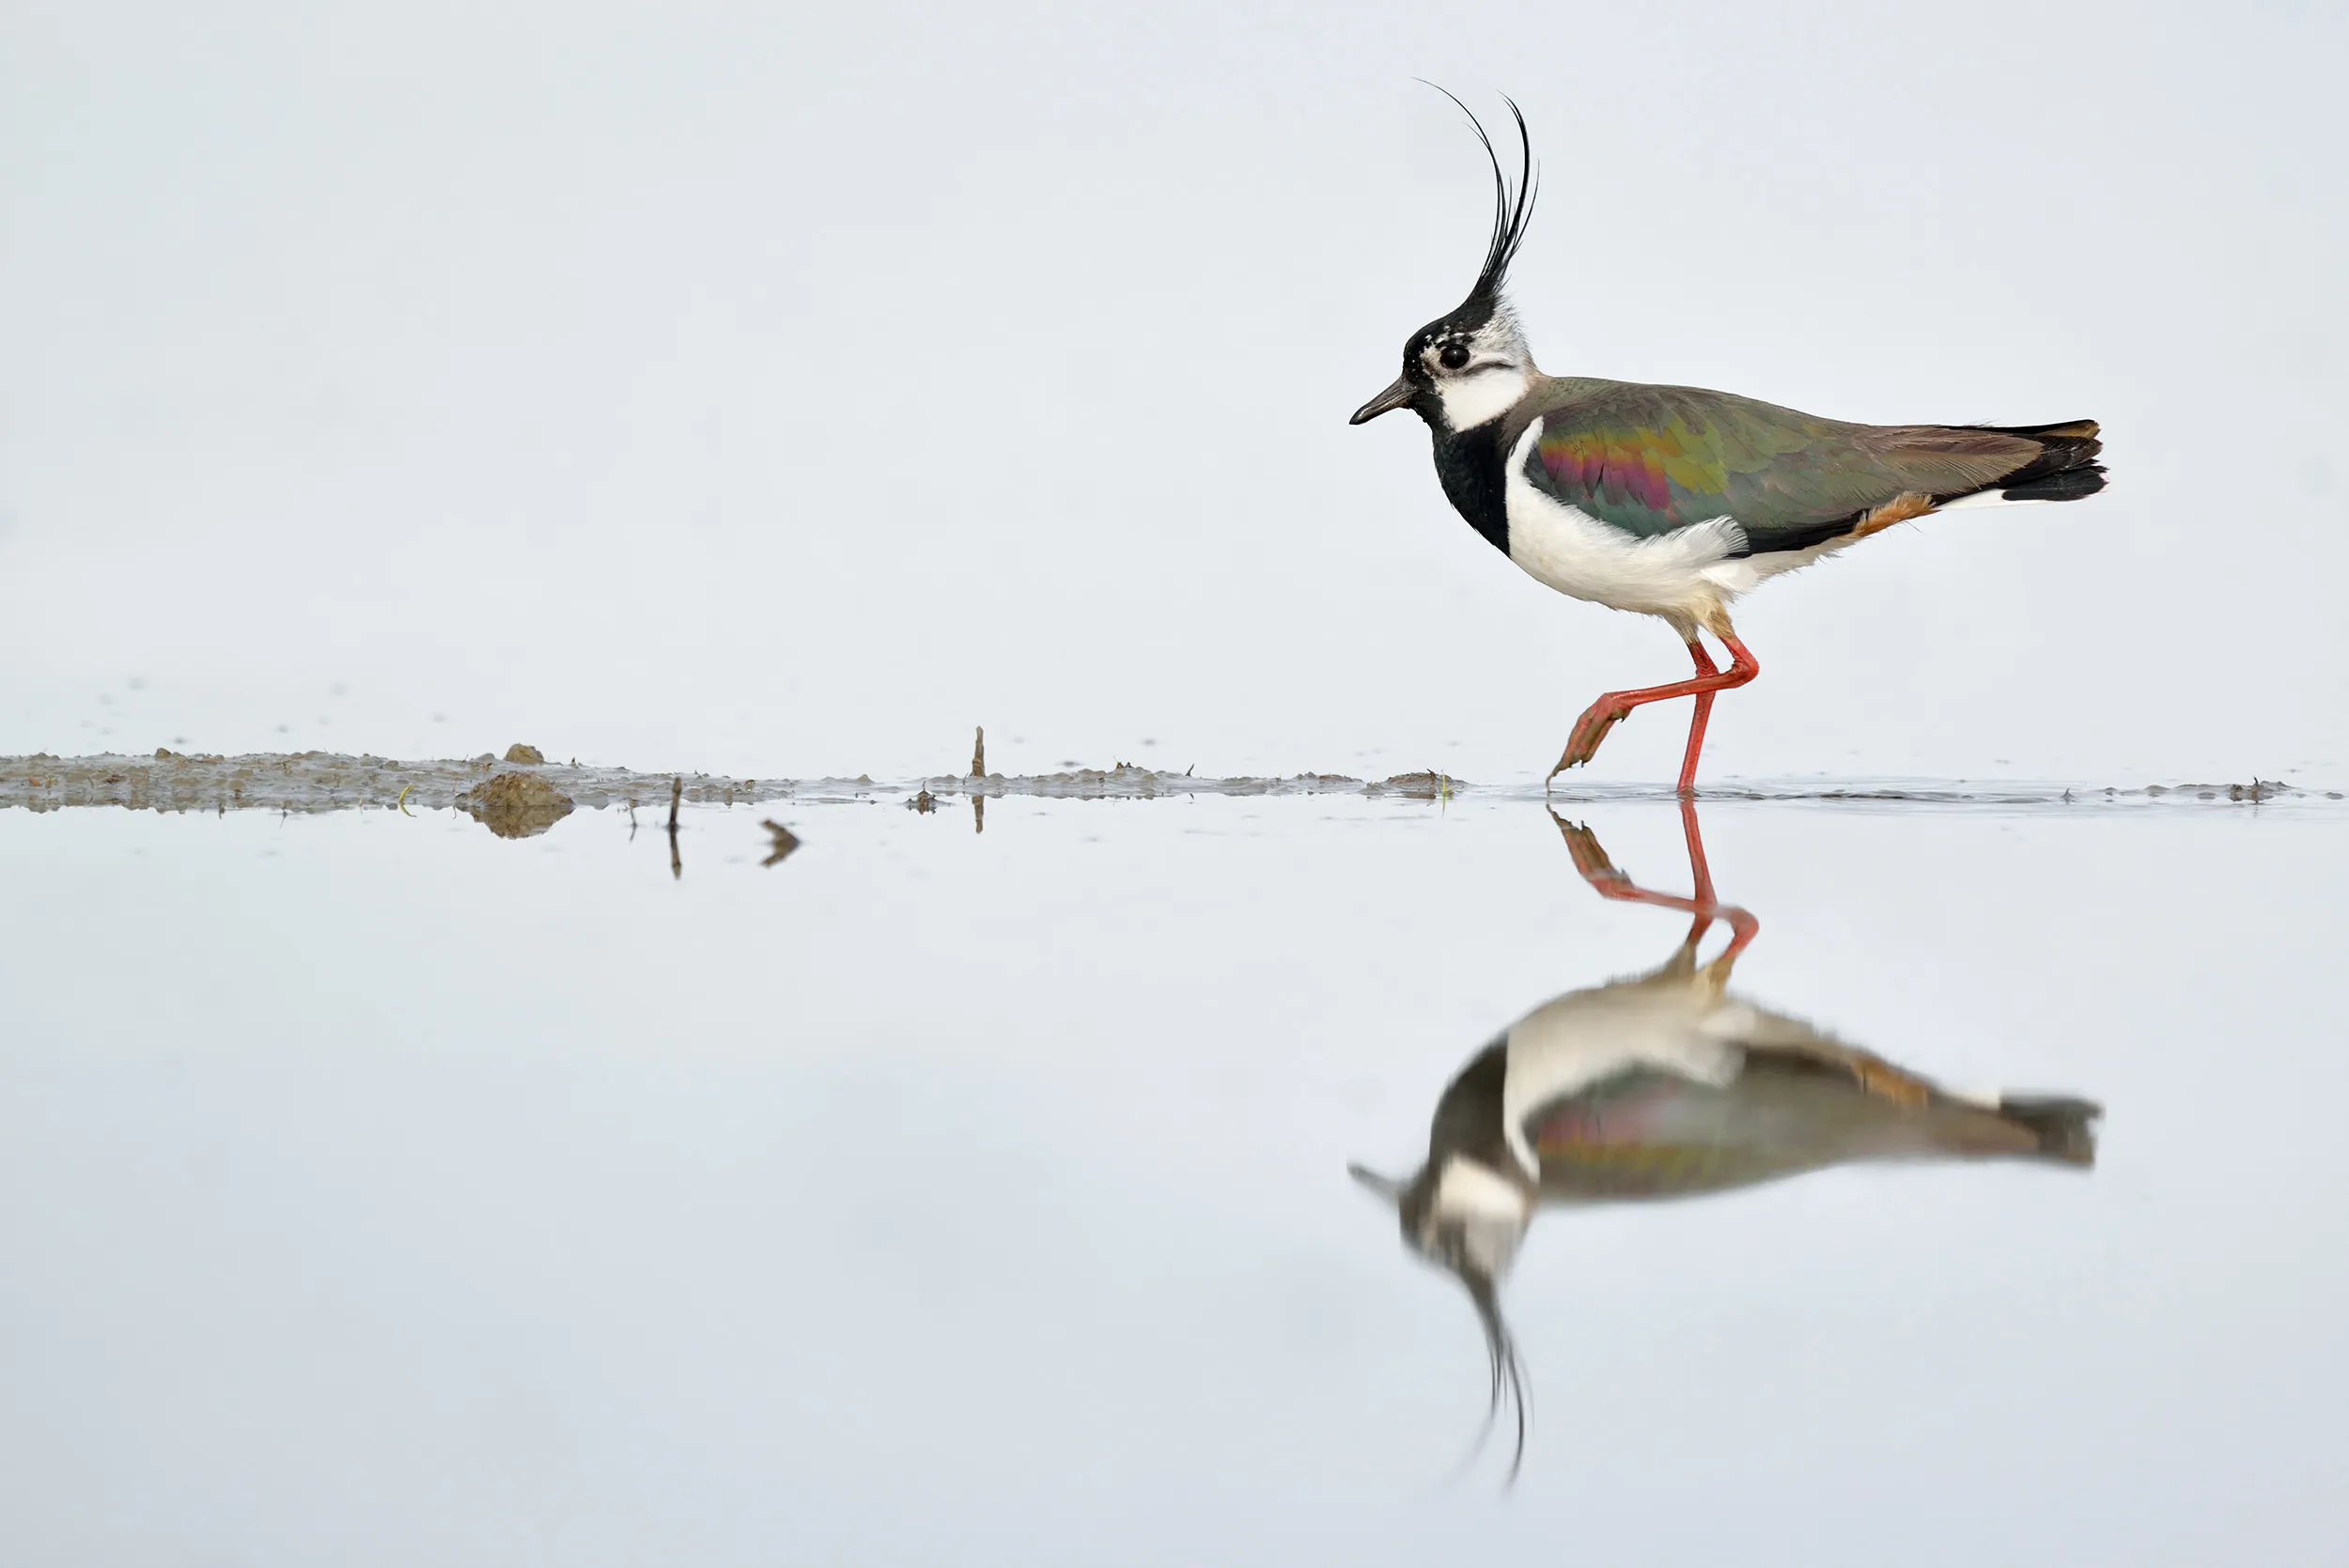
(1589, 857)
(1589, 730)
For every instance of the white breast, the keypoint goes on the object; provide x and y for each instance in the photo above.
(1565, 1046)
(1678, 574)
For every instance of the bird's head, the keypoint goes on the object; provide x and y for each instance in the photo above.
(1471, 365)
(1468, 1219)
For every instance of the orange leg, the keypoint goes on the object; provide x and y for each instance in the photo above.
(1697, 720)
(1614, 707)
(1591, 861)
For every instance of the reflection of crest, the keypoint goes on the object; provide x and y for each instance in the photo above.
(1665, 1085)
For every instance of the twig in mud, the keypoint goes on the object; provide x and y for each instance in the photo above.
(978, 753)
(676, 862)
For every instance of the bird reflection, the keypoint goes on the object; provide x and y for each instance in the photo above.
(1666, 1085)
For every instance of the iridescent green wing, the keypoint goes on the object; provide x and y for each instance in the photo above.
(1652, 459)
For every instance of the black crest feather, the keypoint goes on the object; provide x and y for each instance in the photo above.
(1507, 1390)
(1513, 204)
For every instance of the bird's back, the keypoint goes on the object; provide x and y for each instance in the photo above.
(1650, 459)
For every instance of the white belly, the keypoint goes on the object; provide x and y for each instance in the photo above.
(1572, 1042)
(1679, 575)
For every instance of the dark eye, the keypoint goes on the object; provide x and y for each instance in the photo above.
(1453, 357)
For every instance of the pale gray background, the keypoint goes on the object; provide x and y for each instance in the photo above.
(784, 389)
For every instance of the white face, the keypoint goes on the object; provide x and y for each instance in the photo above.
(1480, 375)
(1477, 1220)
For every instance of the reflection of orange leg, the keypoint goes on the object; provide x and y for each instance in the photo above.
(1591, 861)
(1700, 873)
(1614, 707)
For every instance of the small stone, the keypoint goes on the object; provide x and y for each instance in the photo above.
(516, 805)
(520, 753)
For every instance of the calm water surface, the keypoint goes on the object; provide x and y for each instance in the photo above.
(374, 1191)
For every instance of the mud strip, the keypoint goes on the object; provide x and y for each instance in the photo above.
(518, 788)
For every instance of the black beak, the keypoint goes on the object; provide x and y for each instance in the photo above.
(1396, 396)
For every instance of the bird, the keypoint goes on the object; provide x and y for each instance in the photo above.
(1674, 500)
(1665, 1084)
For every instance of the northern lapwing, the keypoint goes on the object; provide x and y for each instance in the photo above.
(1665, 1085)
(1672, 500)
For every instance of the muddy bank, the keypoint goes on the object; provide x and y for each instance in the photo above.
(332, 781)
(543, 791)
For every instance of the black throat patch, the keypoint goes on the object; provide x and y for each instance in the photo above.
(1470, 1118)
(1471, 464)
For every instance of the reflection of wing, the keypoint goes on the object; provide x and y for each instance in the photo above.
(1650, 1134)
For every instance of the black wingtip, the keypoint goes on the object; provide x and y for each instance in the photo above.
(2072, 483)
(2066, 1125)
(2066, 468)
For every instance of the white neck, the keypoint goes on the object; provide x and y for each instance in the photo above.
(1468, 1190)
(1491, 1211)
(1485, 394)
